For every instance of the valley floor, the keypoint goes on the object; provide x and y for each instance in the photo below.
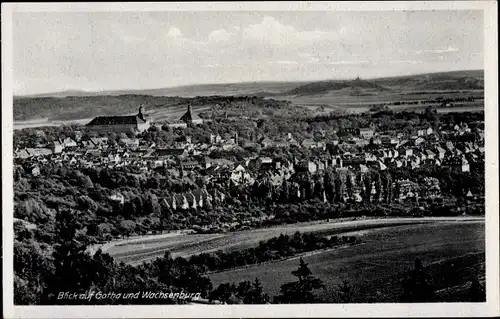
(453, 251)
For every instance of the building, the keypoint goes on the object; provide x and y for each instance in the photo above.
(175, 124)
(266, 142)
(137, 122)
(118, 198)
(57, 147)
(310, 143)
(130, 142)
(189, 164)
(366, 133)
(68, 142)
(215, 139)
(190, 118)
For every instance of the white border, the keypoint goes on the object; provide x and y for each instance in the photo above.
(490, 308)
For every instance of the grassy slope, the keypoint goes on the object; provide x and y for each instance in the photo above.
(376, 268)
(140, 250)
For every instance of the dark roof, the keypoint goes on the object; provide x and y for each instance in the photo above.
(187, 117)
(169, 151)
(115, 120)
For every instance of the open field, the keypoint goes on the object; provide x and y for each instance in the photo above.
(380, 97)
(170, 113)
(375, 267)
(140, 250)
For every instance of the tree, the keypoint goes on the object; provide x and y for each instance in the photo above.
(345, 292)
(476, 291)
(223, 293)
(126, 227)
(71, 261)
(255, 295)
(301, 291)
(417, 286)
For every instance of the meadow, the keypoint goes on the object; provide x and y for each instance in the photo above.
(137, 251)
(452, 251)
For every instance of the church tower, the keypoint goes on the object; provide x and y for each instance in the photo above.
(187, 117)
(141, 113)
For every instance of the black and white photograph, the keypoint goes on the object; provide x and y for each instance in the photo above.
(235, 155)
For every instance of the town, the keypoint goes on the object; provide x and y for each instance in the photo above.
(367, 164)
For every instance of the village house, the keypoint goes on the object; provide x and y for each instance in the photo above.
(388, 140)
(175, 124)
(266, 142)
(194, 200)
(68, 142)
(366, 133)
(465, 165)
(207, 162)
(189, 164)
(430, 155)
(33, 152)
(130, 142)
(283, 143)
(35, 170)
(348, 131)
(310, 143)
(100, 142)
(239, 175)
(376, 140)
(441, 152)
(167, 153)
(117, 198)
(57, 147)
(312, 167)
(419, 141)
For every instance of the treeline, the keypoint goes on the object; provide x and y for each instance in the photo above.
(274, 249)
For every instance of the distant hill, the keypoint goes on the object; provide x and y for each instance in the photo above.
(455, 80)
(459, 80)
(354, 87)
(83, 104)
(81, 107)
(227, 89)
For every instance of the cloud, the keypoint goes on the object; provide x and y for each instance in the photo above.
(271, 31)
(220, 35)
(212, 65)
(406, 62)
(347, 62)
(174, 32)
(448, 49)
(290, 62)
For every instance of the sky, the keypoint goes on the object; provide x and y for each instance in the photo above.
(58, 51)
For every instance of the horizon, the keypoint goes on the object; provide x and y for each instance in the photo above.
(114, 51)
(242, 83)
